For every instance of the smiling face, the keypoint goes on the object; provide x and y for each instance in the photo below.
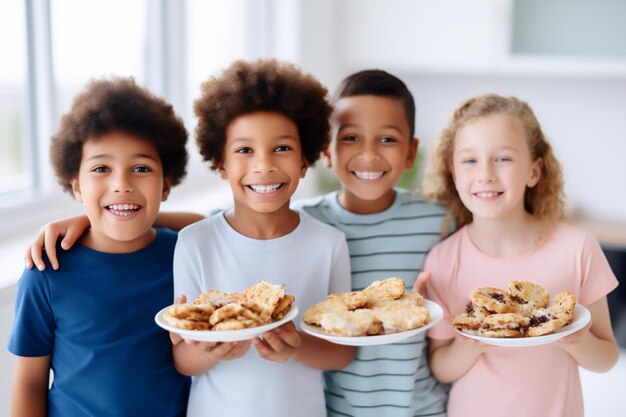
(263, 162)
(370, 149)
(120, 183)
(492, 166)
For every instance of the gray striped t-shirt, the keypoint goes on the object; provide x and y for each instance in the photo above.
(395, 379)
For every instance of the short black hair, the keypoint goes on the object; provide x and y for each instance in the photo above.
(118, 104)
(263, 85)
(378, 83)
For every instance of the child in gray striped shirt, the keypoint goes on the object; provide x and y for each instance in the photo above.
(389, 231)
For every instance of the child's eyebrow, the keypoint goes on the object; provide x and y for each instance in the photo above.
(278, 137)
(134, 156)
(356, 126)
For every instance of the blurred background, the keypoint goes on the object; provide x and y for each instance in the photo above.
(567, 58)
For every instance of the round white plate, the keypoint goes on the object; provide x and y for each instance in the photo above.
(581, 318)
(227, 335)
(436, 314)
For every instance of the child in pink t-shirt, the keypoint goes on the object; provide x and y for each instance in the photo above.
(495, 171)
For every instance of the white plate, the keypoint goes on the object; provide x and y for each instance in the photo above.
(436, 314)
(226, 335)
(581, 318)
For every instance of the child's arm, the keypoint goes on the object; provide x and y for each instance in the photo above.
(177, 220)
(72, 228)
(450, 359)
(594, 347)
(195, 358)
(30, 387)
(285, 342)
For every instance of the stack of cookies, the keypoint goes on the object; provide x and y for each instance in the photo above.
(381, 308)
(521, 311)
(216, 310)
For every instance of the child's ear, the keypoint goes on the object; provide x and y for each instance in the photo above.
(167, 187)
(411, 154)
(535, 173)
(303, 167)
(328, 163)
(222, 172)
(76, 190)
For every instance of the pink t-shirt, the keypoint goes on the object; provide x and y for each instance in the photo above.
(531, 381)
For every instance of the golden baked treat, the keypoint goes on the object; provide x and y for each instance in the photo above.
(381, 308)
(313, 315)
(218, 311)
(493, 299)
(521, 311)
(189, 316)
(504, 325)
(387, 289)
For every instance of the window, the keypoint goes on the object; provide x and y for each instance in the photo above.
(15, 172)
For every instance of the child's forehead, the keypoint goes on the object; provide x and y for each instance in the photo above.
(119, 144)
(369, 111)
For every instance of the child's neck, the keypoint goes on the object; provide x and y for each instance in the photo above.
(356, 205)
(505, 238)
(263, 226)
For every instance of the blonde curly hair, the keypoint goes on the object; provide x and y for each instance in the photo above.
(546, 200)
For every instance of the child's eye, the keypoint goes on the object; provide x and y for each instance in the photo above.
(282, 148)
(245, 149)
(101, 169)
(349, 138)
(468, 161)
(387, 139)
(503, 159)
(142, 169)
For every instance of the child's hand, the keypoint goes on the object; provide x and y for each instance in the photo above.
(280, 344)
(420, 282)
(71, 229)
(221, 351)
(576, 337)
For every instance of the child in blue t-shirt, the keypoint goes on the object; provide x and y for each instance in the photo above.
(119, 151)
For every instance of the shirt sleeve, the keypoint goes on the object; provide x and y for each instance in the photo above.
(187, 277)
(340, 278)
(598, 279)
(32, 334)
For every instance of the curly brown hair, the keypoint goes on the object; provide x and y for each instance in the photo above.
(546, 200)
(262, 85)
(118, 104)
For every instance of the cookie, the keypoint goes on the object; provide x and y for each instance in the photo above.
(234, 311)
(347, 323)
(563, 306)
(526, 292)
(266, 297)
(283, 307)
(543, 322)
(313, 315)
(215, 298)
(493, 299)
(401, 317)
(387, 289)
(352, 300)
(189, 316)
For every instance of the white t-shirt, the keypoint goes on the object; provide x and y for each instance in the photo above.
(312, 261)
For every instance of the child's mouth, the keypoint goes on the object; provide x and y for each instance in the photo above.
(264, 189)
(368, 175)
(123, 209)
(489, 194)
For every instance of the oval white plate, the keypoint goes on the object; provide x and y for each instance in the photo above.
(581, 318)
(227, 335)
(436, 314)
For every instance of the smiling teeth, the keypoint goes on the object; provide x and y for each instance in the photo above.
(123, 209)
(265, 188)
(487, 195)
(367, 175)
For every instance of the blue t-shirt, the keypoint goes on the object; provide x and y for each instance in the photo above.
(95, 318)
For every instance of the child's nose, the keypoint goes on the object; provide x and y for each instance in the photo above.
(487, 173)
(369, 152)
(121, 184)
(264, 163)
